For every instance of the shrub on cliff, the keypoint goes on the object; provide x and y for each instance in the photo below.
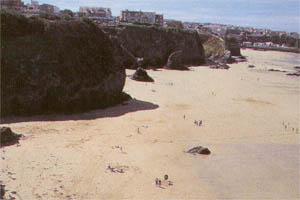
(56, 66)
(175, 24)
(13, 24)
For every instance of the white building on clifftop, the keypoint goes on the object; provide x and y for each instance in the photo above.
(97, 13)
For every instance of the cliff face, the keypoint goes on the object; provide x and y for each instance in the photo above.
(155, 45)
(62, 66)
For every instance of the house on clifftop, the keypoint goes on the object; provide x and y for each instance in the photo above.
(12, 5)
(141, 17)
(98, 14)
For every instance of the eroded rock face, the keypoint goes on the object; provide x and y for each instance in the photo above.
(126, 58)
(222, 58)
(61, 66)
(175, 61)
(155, 45)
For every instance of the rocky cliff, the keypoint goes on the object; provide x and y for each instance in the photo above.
(57, 66)
(155, 44)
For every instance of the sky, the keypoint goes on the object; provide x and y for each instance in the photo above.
(277, 15)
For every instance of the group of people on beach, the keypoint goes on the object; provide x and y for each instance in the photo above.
(158, 182)
(112, 169)
(198, 123)
(286, 126)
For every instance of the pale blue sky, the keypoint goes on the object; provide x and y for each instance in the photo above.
(273, 14)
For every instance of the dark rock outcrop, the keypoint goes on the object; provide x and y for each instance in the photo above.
(233, 45)
(175, 61)
(2, 191)
(219, 66)
(155, 45)
(297, 68)
(141, 75)
(237, 59)
(7, 137)
(294, 74)
(199, 150)
(57, 66)
(276, 70)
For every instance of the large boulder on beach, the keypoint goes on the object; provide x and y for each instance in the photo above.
(141, 75)
(175, 61)
(7, 137)
(57, 66)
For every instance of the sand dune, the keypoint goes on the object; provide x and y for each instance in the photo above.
(244, 113)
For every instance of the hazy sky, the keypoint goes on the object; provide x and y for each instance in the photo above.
(272, 14)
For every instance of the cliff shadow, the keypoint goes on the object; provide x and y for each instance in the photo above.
(132, 105)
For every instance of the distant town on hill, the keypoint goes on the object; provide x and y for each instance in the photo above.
(247, 36)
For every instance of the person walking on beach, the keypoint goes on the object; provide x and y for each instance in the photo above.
(156, 181)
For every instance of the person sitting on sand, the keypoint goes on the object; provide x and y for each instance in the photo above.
(166, 177)
(159, 183)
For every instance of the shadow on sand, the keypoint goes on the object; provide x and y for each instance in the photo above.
(129, 106)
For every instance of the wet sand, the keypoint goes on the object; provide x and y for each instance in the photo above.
(244, 113)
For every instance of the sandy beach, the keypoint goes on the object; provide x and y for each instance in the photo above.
(250, 124)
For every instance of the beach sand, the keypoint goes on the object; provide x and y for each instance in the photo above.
(244, 113)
